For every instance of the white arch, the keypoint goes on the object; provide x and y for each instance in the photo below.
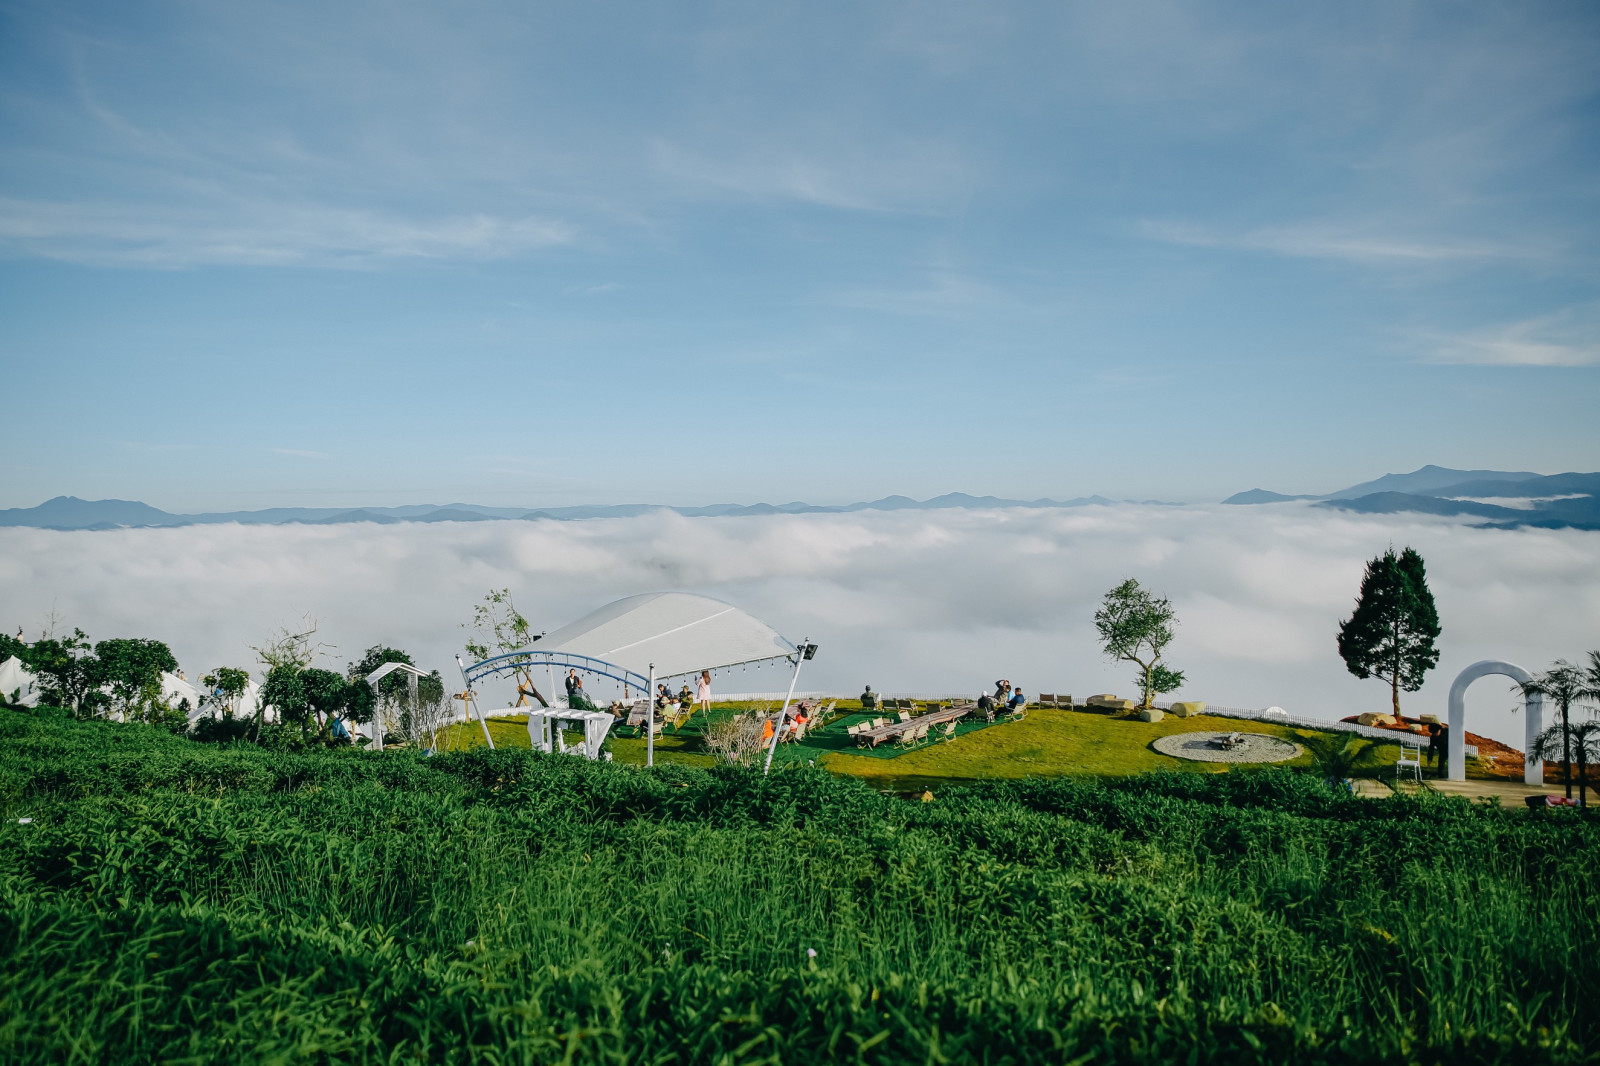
(1533, 718)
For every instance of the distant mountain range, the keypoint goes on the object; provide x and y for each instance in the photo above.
(1552, 501)
(1502, 498)
(69, 512)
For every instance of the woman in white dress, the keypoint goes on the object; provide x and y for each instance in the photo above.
(702, 692)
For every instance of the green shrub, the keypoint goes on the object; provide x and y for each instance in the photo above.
(175, 901)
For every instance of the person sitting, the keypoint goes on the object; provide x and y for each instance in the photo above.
(869, 700)
(798, 723)
(685, 696)
(986, 705)
(1018, 702)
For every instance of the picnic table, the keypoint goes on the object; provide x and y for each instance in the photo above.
(871, 738)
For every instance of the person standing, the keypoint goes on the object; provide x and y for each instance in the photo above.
(702, 692)
(1439, 748)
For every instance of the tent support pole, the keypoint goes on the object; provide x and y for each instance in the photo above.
(473, 697)
(650, 720)
(777, 734)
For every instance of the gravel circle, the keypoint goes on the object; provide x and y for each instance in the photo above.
(1205, 747)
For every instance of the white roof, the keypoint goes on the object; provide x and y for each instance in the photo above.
(679, 632)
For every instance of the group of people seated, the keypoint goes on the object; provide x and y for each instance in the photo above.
(794, 725)
(1005, 698)
(666, 702)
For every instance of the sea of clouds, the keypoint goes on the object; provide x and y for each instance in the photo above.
(912, 601)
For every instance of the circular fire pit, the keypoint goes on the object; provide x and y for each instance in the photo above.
(1214, 747)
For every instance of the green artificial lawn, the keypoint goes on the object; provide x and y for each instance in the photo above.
(1047, 742)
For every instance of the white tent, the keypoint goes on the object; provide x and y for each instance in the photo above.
(678, 632)
(16, 679)
(174, 690)
(644, 639)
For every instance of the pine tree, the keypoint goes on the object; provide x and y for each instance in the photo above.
(1392, 632)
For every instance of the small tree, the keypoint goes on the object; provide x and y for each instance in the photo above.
(290, 651)
(1391, 634)
(227, 685)
(498, 628)
(284, 691)
(1334, 759)
(1580, 742)
(1564, 684)
(326, 694)
(69, 675)
(1136, 627)
(131, 668)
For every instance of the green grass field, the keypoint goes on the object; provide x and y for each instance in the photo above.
(1046, 742)
(163, 900)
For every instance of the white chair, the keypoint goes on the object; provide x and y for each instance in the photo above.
(1410, 759)
(904, 716)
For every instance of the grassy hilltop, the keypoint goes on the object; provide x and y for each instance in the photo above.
(168, 901)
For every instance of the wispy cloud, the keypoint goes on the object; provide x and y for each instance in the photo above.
(1366, 245)
(125, 234)
(153, 446)
(299, 453)
(860, 174)
(1568, 338)
(944, 293)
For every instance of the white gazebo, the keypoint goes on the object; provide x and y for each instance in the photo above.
(375, 727)
(639, 641)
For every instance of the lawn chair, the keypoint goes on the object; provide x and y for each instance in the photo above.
(904, 716)
(934, 705)
(878, 723)
(947, 731)
(1410, 759)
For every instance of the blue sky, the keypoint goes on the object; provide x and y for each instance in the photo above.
(262, 254)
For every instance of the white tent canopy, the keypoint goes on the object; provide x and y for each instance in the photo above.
(174, 690)
(681, 633)
(16, 679)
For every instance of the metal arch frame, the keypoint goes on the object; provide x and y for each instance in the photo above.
(516, 660)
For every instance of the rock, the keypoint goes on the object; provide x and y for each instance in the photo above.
(1428, 719)
(1151, 715)
(1110, 702)
(1187, 708)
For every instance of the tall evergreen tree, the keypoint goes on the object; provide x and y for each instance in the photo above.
(1392, 632)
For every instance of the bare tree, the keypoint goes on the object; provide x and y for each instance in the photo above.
(736, 739)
